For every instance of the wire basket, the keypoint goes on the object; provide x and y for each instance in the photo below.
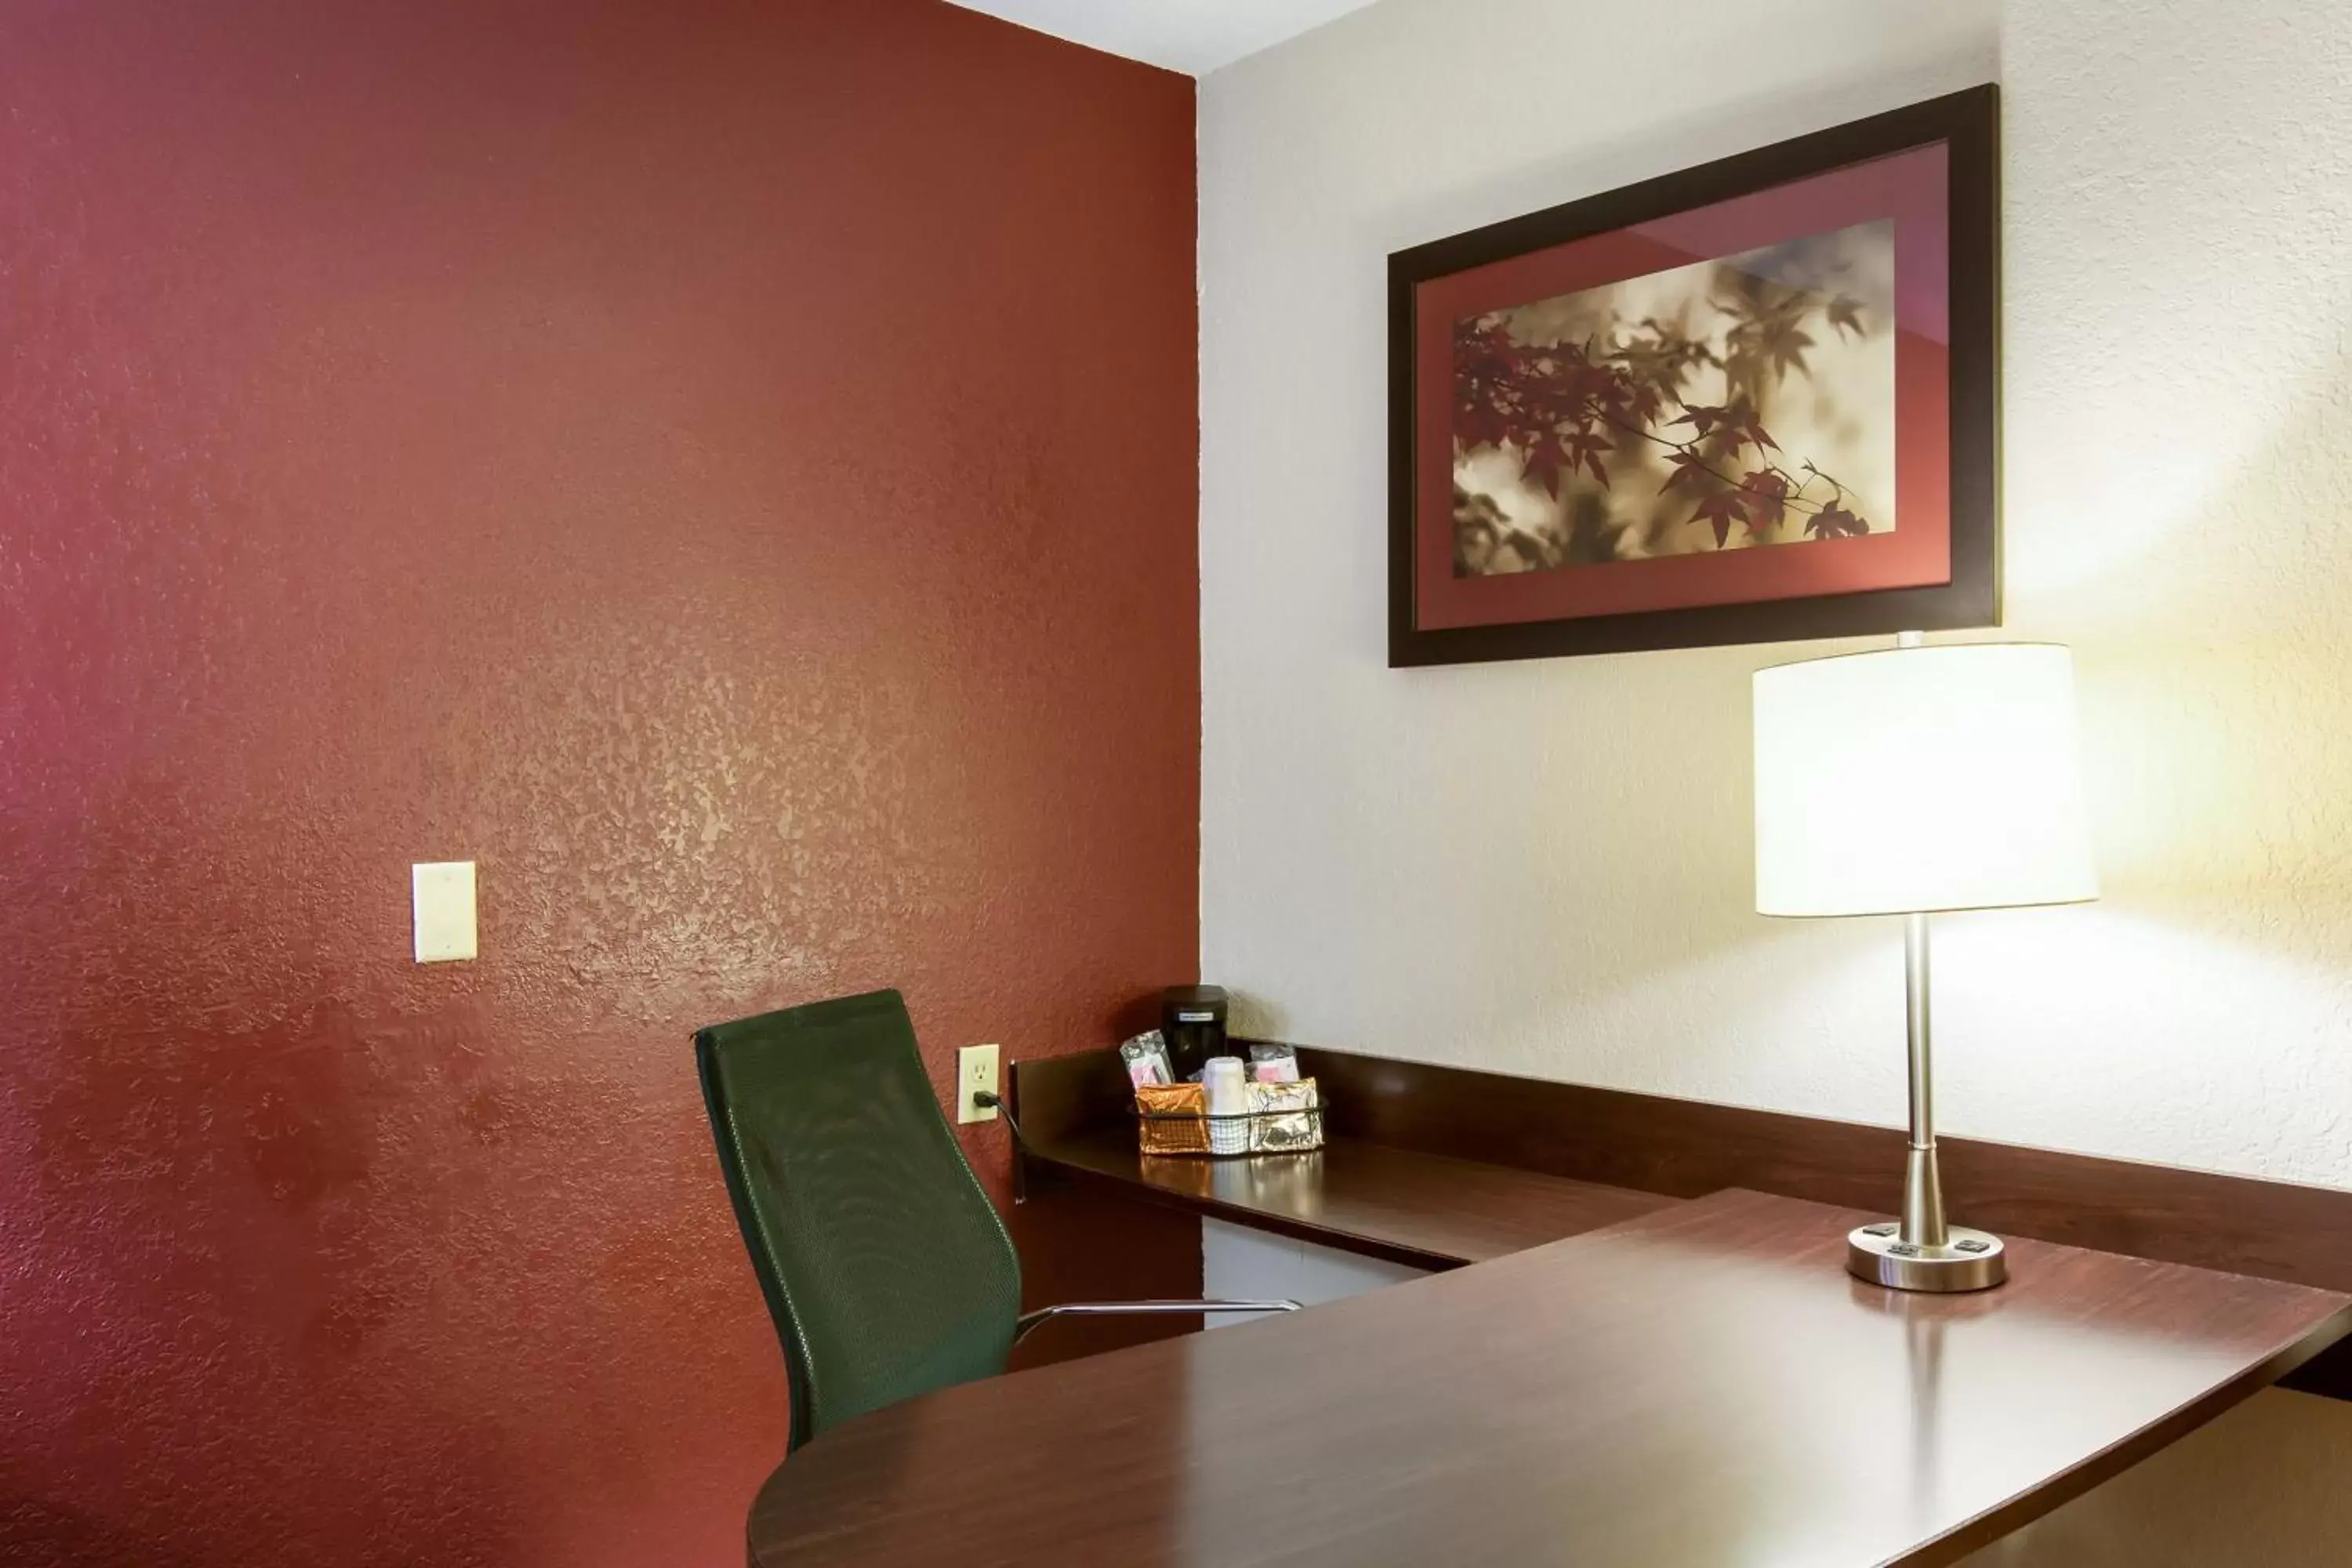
(1286, 1129)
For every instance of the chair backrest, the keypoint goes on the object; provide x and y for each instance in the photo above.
(886, 1269)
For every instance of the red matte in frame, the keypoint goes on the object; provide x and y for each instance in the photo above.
(1909, 187)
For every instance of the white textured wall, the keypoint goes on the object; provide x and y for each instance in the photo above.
(1240, 1264)
(1544, 867)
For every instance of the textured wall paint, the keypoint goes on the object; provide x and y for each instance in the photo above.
(1546, 867)
(728, 467)
(1249, 1265)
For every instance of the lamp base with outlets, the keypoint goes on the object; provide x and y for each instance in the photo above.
(1969, 1259)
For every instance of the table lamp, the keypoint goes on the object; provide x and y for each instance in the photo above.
(1908, 782)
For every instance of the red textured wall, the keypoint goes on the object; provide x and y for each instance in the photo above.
(730, 468)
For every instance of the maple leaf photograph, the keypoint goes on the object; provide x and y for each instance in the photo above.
(1724, 405)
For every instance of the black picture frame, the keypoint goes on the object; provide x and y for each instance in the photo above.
(1968, 123)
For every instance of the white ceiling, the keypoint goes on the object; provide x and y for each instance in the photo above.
(1194, 37)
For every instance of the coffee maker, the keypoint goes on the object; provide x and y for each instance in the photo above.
(1193, 1021)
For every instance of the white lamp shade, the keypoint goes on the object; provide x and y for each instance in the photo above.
(1920, 779)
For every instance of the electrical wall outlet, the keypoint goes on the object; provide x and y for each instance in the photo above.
(975, 1074)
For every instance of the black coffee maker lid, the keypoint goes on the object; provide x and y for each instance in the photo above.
(1194, 996)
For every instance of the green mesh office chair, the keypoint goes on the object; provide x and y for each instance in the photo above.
(888, 1270)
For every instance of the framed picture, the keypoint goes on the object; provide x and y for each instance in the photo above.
(1752, 402)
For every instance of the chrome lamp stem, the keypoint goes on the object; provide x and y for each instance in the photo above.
(1922, 1182)
(1923, 1252)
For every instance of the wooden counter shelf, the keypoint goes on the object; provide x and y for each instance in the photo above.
(1624, 1357)
(1701, 1385)
(1429, 1211)
(1437, 1166)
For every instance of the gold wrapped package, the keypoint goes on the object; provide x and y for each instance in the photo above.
(1285, 1119)
(1173, 1118)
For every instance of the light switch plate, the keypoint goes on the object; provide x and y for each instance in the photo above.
(975, 1074)
(441, 895)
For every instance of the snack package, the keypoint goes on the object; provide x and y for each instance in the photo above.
(1274, 1064)
(1146, 1057)
(1172, 1118)
(1285, 1119)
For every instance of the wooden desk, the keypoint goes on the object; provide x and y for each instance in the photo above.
(1428, 1211)
(1701, 1385)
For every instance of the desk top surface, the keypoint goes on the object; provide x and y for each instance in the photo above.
(1427, 1210)
(1702, 1385)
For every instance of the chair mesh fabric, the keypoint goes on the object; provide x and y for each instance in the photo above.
(888, 1270)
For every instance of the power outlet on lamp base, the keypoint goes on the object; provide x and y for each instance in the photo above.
(975, 1074)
